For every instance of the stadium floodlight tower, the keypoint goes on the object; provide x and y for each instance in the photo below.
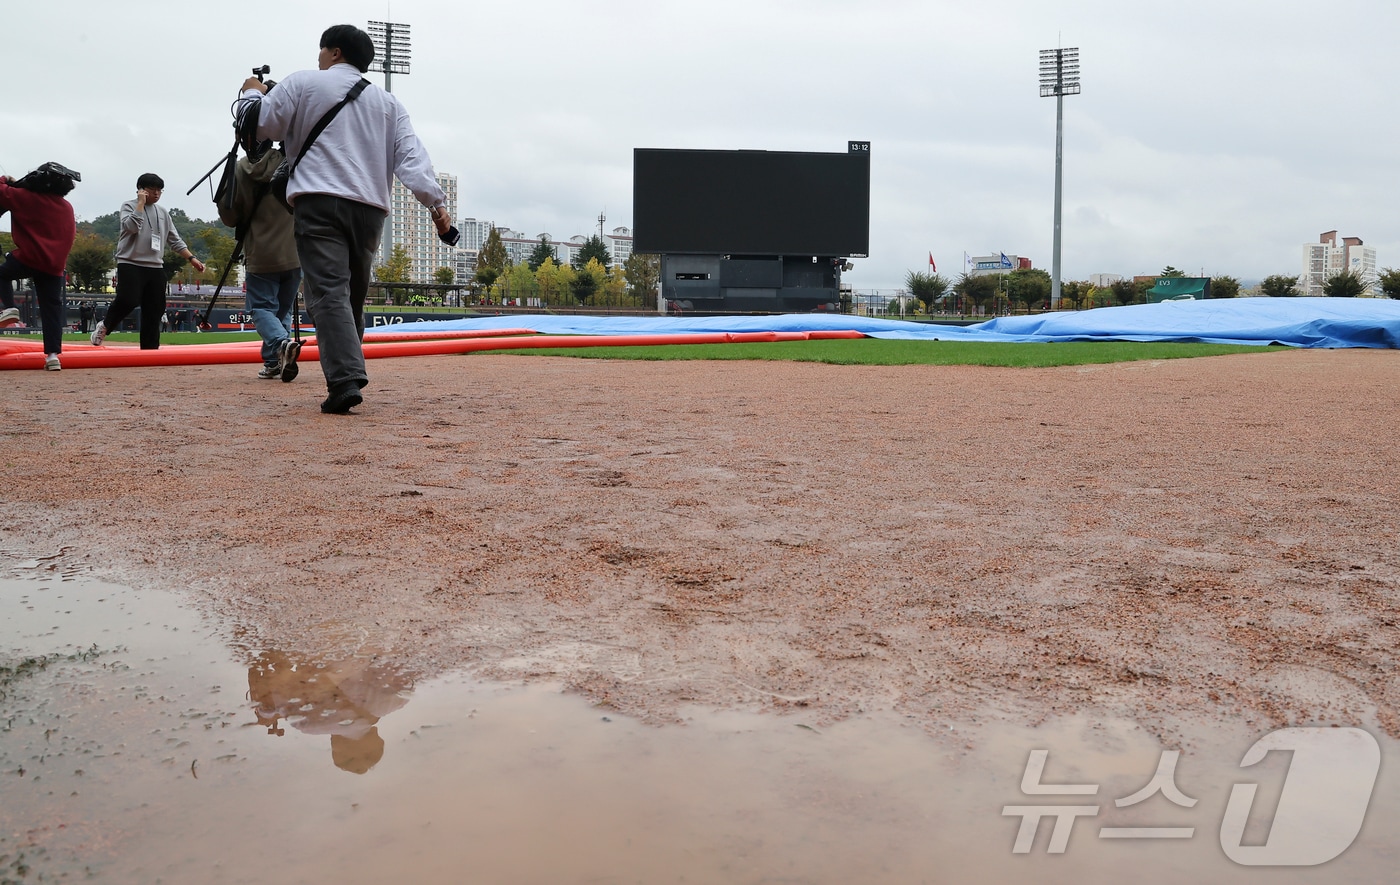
(392, 49)
(1059, 76)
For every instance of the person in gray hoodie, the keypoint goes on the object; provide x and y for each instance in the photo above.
(146, 232)
(273, 272)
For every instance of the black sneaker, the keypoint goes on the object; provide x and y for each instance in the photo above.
(287, 355)
(273, 371)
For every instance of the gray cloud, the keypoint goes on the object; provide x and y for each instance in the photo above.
(1210, 135)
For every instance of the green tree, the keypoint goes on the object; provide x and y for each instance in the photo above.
(396, 269)
(927, 287)
(218, 246)
(486, 277)
(1224, 287)
(172, 262)
(1389, 279)
(7, 243)
(1347, 284)
(588, 280)
(1073, 293)
(552, 281)
(444, 276)
(977, 289)
(643, 274)
(1029, 285)
(492, 260)
(1279, 286)
(543, 249)
(615, 288)
(594, 249)
(519, 282)
(91, 261)
(194, 231)
(1126, 291)
(1170, 271)
(108, 227)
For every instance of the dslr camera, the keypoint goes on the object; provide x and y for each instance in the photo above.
(50, 178)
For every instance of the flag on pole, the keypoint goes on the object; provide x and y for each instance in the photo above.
(967, 261)
(931, 266)
(1005, 262)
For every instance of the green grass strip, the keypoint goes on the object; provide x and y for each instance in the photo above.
(882, 352)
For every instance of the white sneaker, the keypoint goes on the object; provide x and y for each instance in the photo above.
(99, 334)
(287, 354)
(9, 316)
(51, 362)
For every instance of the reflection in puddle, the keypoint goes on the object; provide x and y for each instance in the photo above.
(168, 758)
(344, 699)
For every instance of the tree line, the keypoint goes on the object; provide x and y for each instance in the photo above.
(1030, 288)
(589, 278)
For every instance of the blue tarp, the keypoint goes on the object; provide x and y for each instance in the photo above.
(1298, 322)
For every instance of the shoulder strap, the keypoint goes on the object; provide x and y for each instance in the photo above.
(325, 121)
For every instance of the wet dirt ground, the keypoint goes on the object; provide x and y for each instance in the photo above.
(1196, 552)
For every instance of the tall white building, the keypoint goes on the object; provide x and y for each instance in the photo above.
(1325, 259)
(410, 226)
(620, 245)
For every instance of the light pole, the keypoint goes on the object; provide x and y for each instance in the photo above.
(1059, 76)
(392, 49)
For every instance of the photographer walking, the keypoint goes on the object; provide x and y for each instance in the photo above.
(43, 230)
(339, 190)
(270, 251)
(146, 230)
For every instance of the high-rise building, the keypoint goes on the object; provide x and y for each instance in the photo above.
(1325, 259)
(410, 226)
(620, 245)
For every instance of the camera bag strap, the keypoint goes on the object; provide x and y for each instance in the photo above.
(325, 121)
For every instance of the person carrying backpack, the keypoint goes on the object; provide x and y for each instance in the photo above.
(273, 272)
(43, 229)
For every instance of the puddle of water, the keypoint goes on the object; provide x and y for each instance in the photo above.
(161, 756)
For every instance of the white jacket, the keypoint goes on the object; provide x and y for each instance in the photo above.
(357, 156)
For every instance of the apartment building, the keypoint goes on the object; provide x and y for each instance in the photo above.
(410, 226)
(1326, 258)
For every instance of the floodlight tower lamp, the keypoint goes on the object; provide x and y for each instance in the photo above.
(393, 49)
(1059, 76)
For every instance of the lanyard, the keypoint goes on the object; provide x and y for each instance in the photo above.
(152, 228)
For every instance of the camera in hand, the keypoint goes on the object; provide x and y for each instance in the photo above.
(262, 71)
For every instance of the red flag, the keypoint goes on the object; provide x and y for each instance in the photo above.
(933, 267)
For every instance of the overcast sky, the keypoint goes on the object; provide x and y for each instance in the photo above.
(1218, 137)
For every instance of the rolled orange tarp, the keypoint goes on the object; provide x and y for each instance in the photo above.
(29, 354)
(88, 357)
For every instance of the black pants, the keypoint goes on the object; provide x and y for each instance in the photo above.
(337, 240)
(143, 287)
(53, 309)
